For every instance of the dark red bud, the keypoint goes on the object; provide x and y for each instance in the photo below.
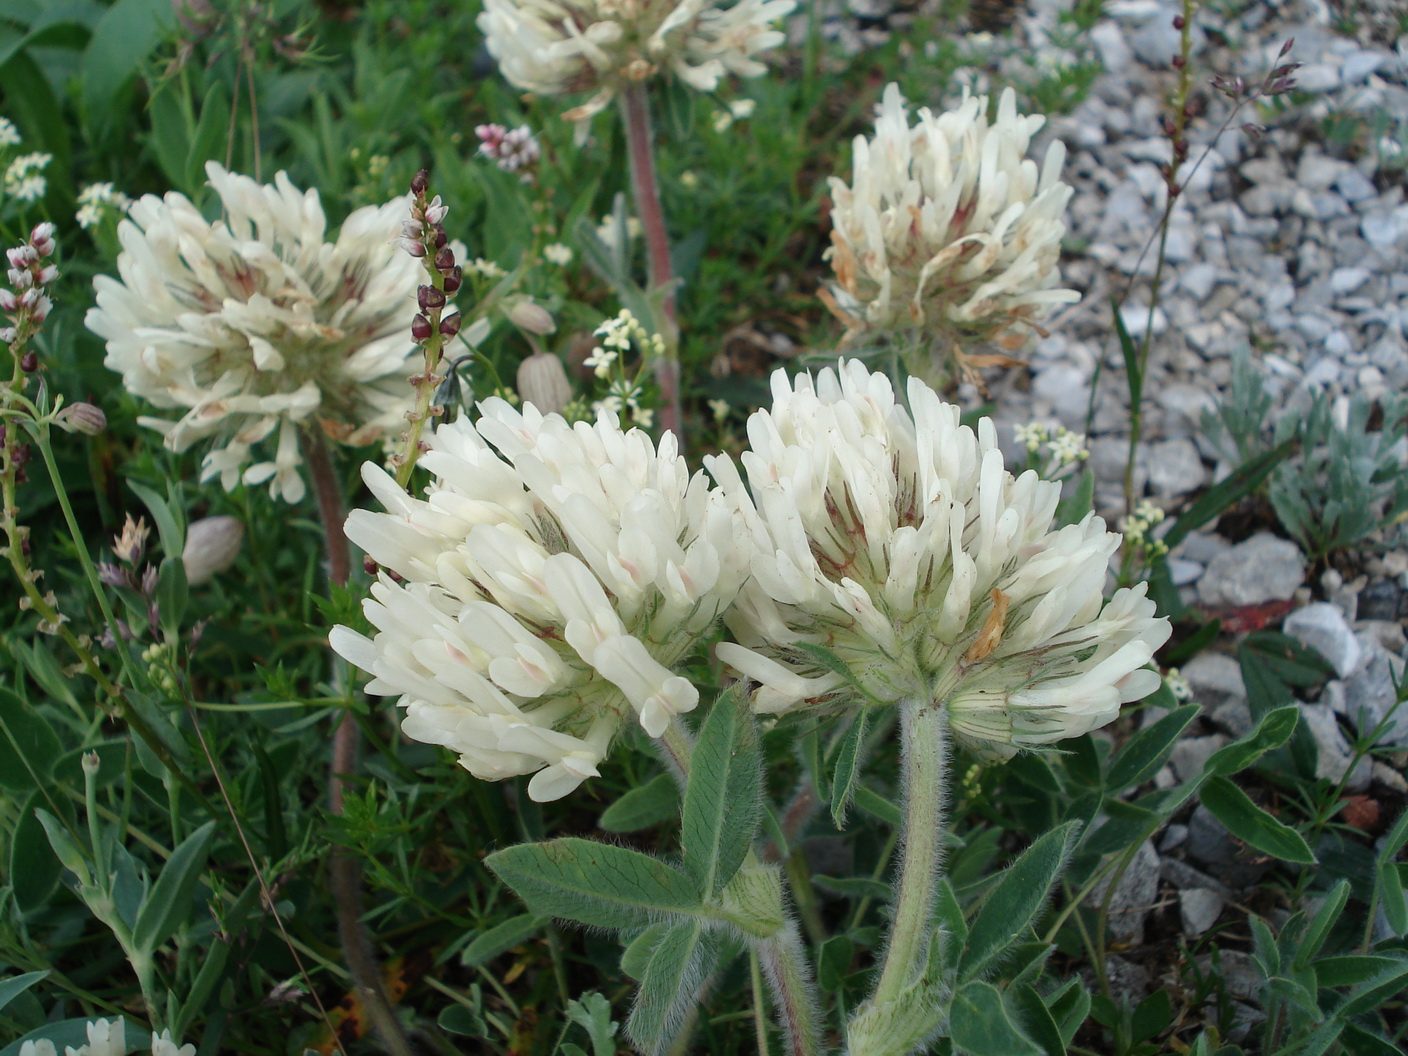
(430, 299)
(1170, 129)
(1179, 22)
(368, 565)
(29, 362)
(450, 325)
(440, 237)
(1178, 62)
(420, 183)
(454, 279)
(22, 455)
(1286, 47)
(420, 328)
(444, 259)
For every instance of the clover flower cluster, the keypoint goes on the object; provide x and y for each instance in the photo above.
(97, 201)
(555, 574)
(899, 542)
(541, 593)
(108, 1037)
(947, 225)
(1136, 529)
(512, 150)
(255, 325)
(555, 47)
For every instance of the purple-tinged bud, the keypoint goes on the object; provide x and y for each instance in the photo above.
(112, 575)
(42, 236)
(21, 456)
(430, 299)
(150, 575)
(420, 183)
(29, 362)
(42, 307)
(440, 238)
(48, 274)
(20, 278)
(368, 565)
(444, 259)
(212, 544)
(21, 256)
(9, 335)
(8, 301)
(450, 325)
(1170, 129)
(1178, 62)
(82, 418)
(91, 762)
(454, 279)
(420, 328)
(1286, 47)
(412, 229)
(414, 246)
(542, 381)
(1179, 22)
(528, 315)
(436, 211)
(131, 544)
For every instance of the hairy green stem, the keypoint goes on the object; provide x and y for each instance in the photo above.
(641, 148)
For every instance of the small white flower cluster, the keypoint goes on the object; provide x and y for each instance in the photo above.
(1064, 448)
(542, 591)
(9, 134)
(948, 225)
(553, 47)
(254, 324)
(96, 201)
(617, 335)
(898, 541)
(1136, 529)
(24, 179)
(1178, 684)
(108, 1037)
(736, 111)
(484, 268)
(557, 253)
(512, 150)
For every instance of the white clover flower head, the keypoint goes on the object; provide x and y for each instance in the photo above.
(512, 150)
(947, 225)
(556, 47)
(541, 593)
(255, 326)
(897, 540)
(557, 253)
(9, 134)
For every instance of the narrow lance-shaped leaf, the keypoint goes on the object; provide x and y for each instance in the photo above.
(169, 903)
(678, 968)
(594, 883)
(1141, 758)
(1016, 900)
(848, 761)
(1249, 823)
(723, 797)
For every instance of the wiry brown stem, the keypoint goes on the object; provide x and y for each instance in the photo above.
(640, 146)
(344, 870)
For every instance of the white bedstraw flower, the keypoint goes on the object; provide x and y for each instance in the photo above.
(255, 327)
(555, 47)
(9, 134)
(948, 225)
(542, 592)
(898, 540)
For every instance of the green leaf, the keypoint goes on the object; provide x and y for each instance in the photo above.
(636, 956)
(1081, 501)
(12, 987)
(1389, 884)
(463, 1021)
(1353, 969)
(678, 968)
(34, 867)
(123, 38)
(1373, 992)
(1274, 730)
(833, 663)
(979, 1024)
(172, 595)
(949, 913)
(1242, 481)
(169, 526)
(854, 886)
(1358, 1041)
(1069, 1005)
(1133, 375)
(878, 806)
(1254, 826)
(641, 808)
(592, 1012)
(833, 962)
(502, 937)
(1037, 1020)
(723, 796)
(1148, 750)
(169, 904)
(1320, 925)
(1017, 899)
(28, 745)
(594, 883)
(843, 781)
(65, 846)
(1272, 664)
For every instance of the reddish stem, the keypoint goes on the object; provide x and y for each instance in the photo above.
(641, 148)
